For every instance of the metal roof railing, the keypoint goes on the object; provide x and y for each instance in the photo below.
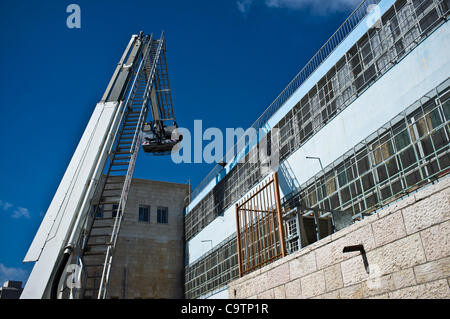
(324, 52)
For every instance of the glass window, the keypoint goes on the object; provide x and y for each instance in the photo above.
(144, 213)
(98, 212)
(402, 140)
(446, 107)
(114, 210)
(163, 215)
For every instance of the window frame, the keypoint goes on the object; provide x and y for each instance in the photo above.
(148, 215)
(161, 212)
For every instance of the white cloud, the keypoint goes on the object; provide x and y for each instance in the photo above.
(21, 212)
(5, 205)
(18, 212)
(244, 5)
(317, 6)
(11, 273)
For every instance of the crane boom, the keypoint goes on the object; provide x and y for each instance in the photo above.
(73, 235)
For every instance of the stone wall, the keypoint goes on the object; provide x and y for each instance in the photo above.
(407, 247)
(149, 257)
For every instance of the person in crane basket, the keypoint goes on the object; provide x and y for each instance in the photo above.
(160, 139)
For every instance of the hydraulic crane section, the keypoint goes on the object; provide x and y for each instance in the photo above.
(74, 247)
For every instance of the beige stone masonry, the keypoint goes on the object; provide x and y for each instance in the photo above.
(407, 247)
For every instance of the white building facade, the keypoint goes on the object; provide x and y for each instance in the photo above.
(373, 105)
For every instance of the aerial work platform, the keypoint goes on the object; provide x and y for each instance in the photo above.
(74, 247)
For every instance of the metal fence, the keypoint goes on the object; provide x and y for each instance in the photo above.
(260, 230)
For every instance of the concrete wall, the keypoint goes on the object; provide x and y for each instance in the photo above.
(408, 251)
(149, 258)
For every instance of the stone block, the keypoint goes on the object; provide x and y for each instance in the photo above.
(324, 256)
(313, 284)
(302, 266)
(436, 241)
(333, 277)
(268, 294)
(279, 292)
(397, 206)
(427, 212)
(404, 278)
(399, 255)
(377, 285)
(353, 271)
(293, 289)
(433, 290)
(351, 292)
(438, 269)
(388, 229)
(333, 253)
(278, 276)
(330, 295)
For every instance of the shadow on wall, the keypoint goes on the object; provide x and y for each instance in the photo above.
(286, 179)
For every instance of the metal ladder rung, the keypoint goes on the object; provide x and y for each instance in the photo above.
(119, 170)
(95, 253)
(93, 265)
(107, 224)
(120, 164)
(118, 182)
(99, 219)
(98, 244)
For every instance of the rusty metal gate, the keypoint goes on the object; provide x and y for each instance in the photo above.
(260, 233)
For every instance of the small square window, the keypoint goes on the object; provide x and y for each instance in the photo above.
(144, 213)
(98, 212)
(163, 215)
(115, 208)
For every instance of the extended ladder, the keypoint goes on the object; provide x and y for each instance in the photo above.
(107, 213)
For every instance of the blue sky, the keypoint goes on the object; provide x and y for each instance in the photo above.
(227, 59)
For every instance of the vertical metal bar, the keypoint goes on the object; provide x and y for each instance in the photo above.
(269, 228)
(256, 213)
(252, 235)
(280, 220)
(275, 245)
(263, 225)
(247, 235)
(239, 246)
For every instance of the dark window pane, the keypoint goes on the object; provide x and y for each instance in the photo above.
(386, 192)
(382, 173)
(408, 157)
(402, 140)
(345, 195)
(446, 107)
(367, 181)
(99, 211)
(114, 210)
(163, 216)
(144, 213)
